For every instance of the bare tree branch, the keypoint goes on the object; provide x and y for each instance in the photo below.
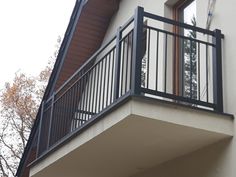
(9, 168)
(19, 101)
(3, 172)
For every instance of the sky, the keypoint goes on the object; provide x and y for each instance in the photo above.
(28, 34)
(190, 11)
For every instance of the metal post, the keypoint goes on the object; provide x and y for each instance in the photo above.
(50, 120)
(40, 127)
(217, 72)
(137, 52)
(117, 64)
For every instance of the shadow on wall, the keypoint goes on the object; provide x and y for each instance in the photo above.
(206, 162)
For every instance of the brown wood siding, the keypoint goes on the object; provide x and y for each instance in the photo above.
(89, 33)
(32, 157)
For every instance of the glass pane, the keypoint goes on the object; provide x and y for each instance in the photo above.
(189, 62)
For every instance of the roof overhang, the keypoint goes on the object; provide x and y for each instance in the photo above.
(87, 37)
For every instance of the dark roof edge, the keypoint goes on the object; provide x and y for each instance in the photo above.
(67, 40)
(52, 80)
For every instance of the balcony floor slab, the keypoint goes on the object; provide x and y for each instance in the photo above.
(137, 135)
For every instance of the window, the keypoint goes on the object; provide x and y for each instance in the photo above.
(185, 74)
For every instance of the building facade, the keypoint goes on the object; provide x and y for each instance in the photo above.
(139, 88)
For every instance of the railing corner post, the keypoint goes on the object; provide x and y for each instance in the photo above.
(137, 52)
(217, 71)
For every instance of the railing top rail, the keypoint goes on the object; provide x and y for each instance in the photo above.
(180, 24)
(89, 70)
(179, 35)
(91, 59)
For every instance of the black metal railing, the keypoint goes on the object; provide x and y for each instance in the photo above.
(139, 60)
(194, 52)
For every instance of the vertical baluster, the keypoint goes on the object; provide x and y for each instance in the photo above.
(100, 86)
(94, 89)
(127, 63)
(131, 59)
(104, 82)
(90, 80)
(191, 70)
(108, 78)
(117, 64)
(112, 76)
(166, 39)
(199, 72)
(176, 69)
(148, 57)
(157, 52)
(207, 77)
(183, 68)
(122, 66)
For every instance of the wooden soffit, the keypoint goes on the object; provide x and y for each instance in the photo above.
(88, 35)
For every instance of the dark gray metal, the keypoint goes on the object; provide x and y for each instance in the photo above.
(191, 70)
(157, 59)
(180, 24)
(217, 71)
(148, 56)
(50, 121)
(199, 75)
(117, 64)
(108, 79)
(112, 77)
(207, 75)
(165, 77)
(122, 60)
(177, 98)
(137, 52)
(40, 127)
(177, 35)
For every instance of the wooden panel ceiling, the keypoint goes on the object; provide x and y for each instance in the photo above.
(88, 36)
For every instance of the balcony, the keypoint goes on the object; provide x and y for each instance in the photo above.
(128, 104)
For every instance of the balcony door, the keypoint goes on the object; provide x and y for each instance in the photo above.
(185, 74)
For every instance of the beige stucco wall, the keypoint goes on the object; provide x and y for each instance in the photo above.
(223, 18)
(126, 10)
(207, 162)
(217, 160)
